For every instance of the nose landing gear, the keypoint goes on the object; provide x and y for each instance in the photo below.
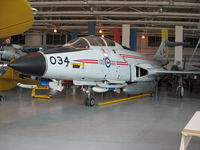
(89, 101)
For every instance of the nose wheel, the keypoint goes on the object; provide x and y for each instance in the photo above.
(89, 101)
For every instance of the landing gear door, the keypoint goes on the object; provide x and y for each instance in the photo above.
(133, 72)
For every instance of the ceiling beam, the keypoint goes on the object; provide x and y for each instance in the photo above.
(116, 13)
(183, 23)
(88, 3)
(83, 27)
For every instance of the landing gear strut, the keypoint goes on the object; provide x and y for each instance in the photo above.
(89, 101)
(1, 98)
(180, 88)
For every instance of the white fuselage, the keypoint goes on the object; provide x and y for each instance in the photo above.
(99, 63)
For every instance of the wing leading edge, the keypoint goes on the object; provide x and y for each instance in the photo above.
(162, 72)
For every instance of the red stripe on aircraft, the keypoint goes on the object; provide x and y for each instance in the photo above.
(121, 63)
(88, 61)
(137, 57)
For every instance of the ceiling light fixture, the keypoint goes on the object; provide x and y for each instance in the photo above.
(143, 36)
(55, 30)
(100, 31)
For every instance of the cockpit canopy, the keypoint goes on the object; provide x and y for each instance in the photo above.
(88, 41)
(82, 43)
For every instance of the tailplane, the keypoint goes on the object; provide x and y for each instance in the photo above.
(160, 51)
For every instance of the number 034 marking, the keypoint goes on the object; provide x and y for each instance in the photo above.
(58, 60)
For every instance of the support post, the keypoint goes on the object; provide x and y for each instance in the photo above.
(133, 39)
(126, 35)
(178, 49)
(91, 28)
(74, 34)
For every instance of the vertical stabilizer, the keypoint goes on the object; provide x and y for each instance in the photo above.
(160, 51)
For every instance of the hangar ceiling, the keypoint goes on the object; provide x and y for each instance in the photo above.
(146, 15)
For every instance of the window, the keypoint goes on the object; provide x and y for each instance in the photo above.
(109, 42)
(192, 42)
(55, 39)
(172, 39)
(154, 41)
(95, 41)
(78, 43)
(18, 39)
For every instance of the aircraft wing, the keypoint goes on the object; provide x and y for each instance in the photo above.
(198, 66)
(175, 72)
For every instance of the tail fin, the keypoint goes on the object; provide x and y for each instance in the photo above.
(164, 43)
(160, 51)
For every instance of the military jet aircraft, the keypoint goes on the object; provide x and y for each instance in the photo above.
(9, 52)
(100, 65)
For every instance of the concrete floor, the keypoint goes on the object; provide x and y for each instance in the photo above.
(65, 123)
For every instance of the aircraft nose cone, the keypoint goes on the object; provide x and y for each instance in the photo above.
(33, 64)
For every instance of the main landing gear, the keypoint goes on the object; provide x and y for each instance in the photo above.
(180, 88)
(89, 101)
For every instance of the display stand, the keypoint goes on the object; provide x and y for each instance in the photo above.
(191, 129)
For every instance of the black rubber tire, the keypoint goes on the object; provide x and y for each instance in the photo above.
(90, 102)
(180, 92)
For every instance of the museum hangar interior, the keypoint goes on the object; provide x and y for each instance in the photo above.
(101, 74)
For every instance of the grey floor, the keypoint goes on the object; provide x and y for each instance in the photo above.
(65, 123)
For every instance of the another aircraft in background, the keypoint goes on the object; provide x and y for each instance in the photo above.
(9, 52)
(16, 17)
(11, 78)
(99, 65)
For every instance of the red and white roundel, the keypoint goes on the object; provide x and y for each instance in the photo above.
(107, 62)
